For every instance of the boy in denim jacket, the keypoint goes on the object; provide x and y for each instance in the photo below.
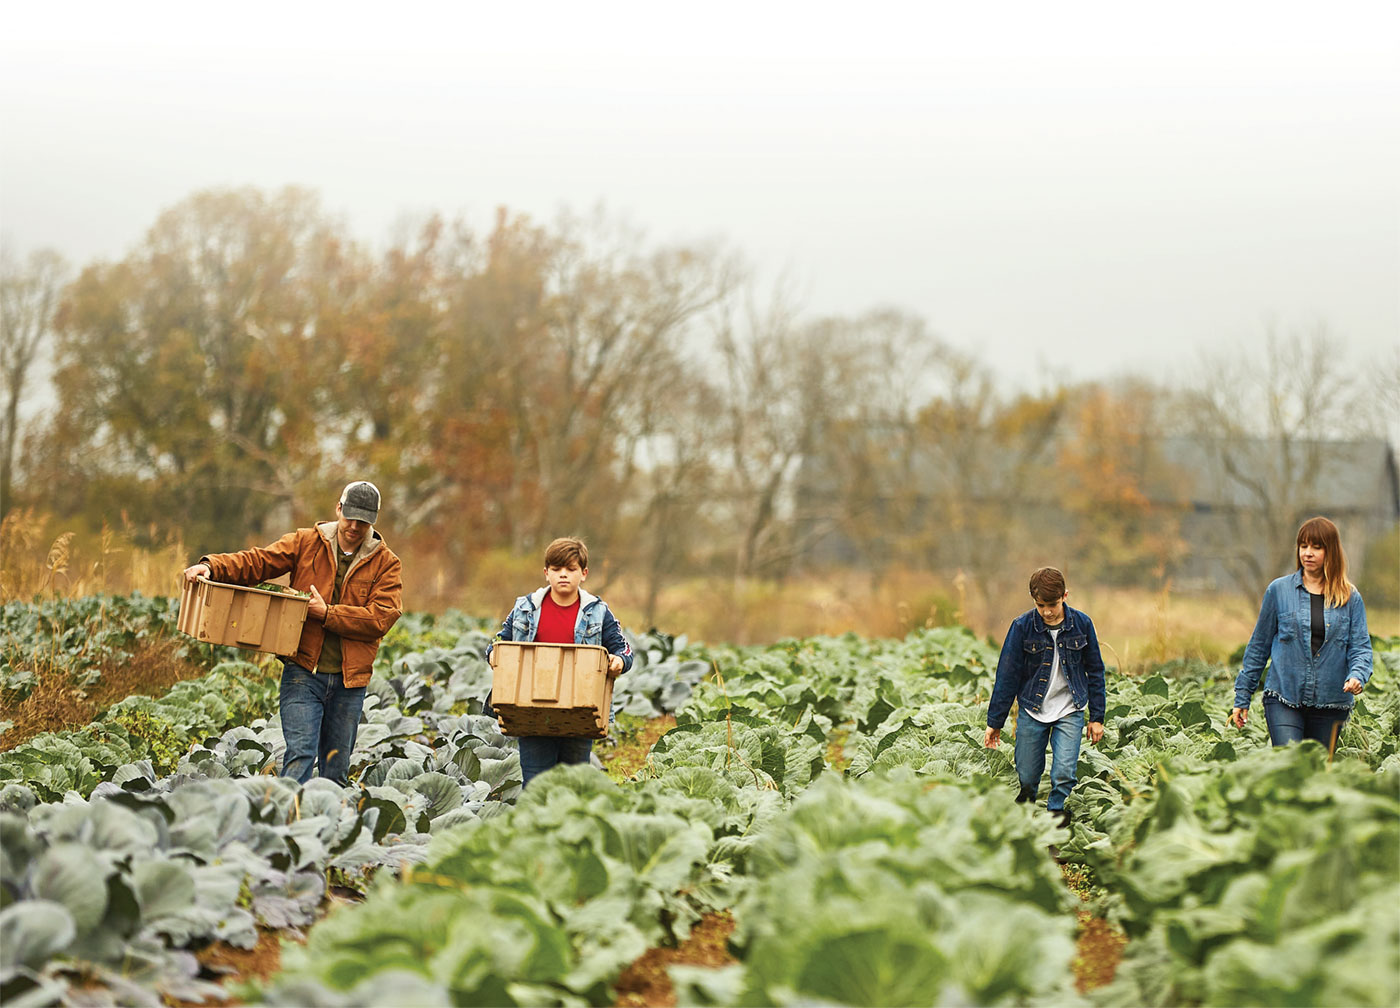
(563, 613)
(1050, 664)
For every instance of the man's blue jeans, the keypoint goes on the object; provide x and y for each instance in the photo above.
(1293, 724)
(1063, 737)
(320, 719)
(540, 752)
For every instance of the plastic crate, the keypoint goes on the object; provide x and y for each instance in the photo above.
(251, 618)
(551, 689)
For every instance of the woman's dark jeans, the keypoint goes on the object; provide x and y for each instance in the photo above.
(320, 719)
(1293, 724)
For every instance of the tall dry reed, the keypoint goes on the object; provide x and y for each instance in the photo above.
(75, 565)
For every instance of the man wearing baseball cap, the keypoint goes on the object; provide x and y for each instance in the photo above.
(356, 591)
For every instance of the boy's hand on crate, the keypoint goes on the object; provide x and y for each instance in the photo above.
(316, 608)
(614, 664)
(197, 571)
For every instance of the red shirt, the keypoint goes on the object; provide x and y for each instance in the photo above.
(556, 621)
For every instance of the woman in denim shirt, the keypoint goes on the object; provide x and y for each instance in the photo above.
(1312, 633)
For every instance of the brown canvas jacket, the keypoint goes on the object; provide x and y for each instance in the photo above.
(371, 597)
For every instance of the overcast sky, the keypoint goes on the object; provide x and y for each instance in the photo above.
(1065, 189)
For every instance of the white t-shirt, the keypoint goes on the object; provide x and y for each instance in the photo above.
(1058, 701)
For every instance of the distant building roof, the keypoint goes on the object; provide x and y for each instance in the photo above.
(1343, 476)
(1207, 474)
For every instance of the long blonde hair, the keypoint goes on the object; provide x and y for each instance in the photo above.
(1336, 589)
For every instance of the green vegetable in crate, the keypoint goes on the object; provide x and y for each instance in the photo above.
(281, 589)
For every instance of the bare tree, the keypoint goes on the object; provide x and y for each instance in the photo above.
(1123, 497)
(1384, 397)
(617, 323)
(861, 482)
(1269, 422)
(29, 296)
(787, 385)
(989, 511)
(667, 525)
(565, 346)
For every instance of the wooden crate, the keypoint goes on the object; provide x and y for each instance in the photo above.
(251, 618)
(551, 689)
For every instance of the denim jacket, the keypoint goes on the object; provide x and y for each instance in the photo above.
(1023, 671)
(1283, 638)
(595, 625)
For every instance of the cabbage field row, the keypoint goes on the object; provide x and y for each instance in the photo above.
(833, 794)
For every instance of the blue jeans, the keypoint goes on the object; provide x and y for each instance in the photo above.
(1063, 737)
(320, 719)
(1293, 724)
(540, 752)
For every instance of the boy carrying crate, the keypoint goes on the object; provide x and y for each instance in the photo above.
(563, 613)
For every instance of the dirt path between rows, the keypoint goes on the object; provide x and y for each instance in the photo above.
(1099, 944)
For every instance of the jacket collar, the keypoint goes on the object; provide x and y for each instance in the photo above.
(372, 541)
(585, 598)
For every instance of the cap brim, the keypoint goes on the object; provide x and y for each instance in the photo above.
(359, 514)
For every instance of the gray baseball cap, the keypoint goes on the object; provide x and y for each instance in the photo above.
(359, 501)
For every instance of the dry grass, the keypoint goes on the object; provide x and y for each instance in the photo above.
(57, 703)
(77, 564)
(1137, 626)
(74, 566)
(833, 603)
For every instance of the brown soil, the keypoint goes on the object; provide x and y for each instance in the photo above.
(232, 964)
(1099, 947)
(632, 749)
(646, 981)
(56, 703)
(836, 756)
